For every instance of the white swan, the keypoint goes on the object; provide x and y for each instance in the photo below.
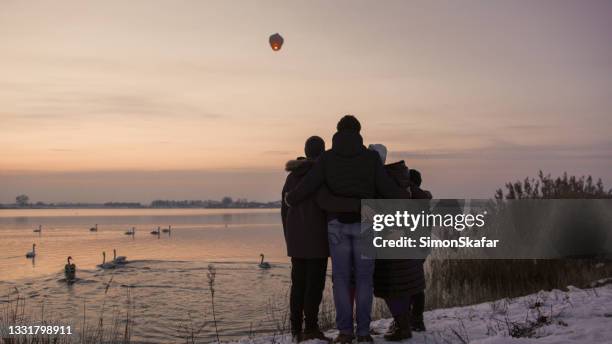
(38, 230)
(156, 231)
(120, 259)
(94, 229)
(131, 231)
(167, 230)
(105, 265)
(262, 264)
(32, 253)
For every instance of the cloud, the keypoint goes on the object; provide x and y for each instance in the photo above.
(67, 102)
(528, 127)
(501, 150)
(62, 150)
(276, 152)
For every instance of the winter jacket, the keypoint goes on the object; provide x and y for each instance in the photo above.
(399, 172)
(305, 224)
(398, 278)
(348, 169)
(394, 278)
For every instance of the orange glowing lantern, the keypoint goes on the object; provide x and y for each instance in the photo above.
(276, 41)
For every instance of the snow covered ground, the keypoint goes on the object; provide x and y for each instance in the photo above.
(575, 316)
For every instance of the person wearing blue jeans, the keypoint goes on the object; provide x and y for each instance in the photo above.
(347, 258)
(348, 169)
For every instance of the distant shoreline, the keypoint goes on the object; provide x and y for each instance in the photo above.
(270, 205)
(103, 207)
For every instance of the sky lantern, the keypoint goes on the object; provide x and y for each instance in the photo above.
(276, 41)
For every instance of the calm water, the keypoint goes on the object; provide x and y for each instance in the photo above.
(166, 274)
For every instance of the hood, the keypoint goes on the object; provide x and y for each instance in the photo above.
(299, 166)
(380, 149)
(399, 172)
(347, 143)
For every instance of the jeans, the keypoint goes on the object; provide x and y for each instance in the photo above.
(345, 247)
(307, 284)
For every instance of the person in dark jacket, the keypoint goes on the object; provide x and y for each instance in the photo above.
(400, 282)
(417, 301)
(305, 229)
(348, 169)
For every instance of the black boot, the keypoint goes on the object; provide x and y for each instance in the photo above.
(417, 324)
(418, 308)
(344, 338)
(315, 333)
(297, 337)
(400, 329)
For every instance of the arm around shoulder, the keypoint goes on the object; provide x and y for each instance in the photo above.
(336, 204)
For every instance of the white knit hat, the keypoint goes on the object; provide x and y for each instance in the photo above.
(380, 149)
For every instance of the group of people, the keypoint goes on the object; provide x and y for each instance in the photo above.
(321, 218)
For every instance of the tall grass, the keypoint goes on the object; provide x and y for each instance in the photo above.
(104, 328)
(462, 282)
(457, 282)
(212, 275)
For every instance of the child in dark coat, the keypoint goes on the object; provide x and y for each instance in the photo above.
(417, 301)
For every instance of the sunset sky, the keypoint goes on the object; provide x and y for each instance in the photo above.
(138, 100)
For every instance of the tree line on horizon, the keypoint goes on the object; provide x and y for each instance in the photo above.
(23, 202)
(542, 187)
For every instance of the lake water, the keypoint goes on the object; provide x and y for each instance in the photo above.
(166, 275)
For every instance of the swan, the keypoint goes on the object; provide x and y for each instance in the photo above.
(94, 229)
(38, 230)
(262, 264)
(120, 259)
(105, 265)
(32, 253)
(70, 271)
(156, 231)
(167, 230)
(131, 231)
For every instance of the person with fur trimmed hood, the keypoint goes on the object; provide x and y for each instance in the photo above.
(305, 229)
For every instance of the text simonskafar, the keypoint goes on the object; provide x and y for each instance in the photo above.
(428, 242)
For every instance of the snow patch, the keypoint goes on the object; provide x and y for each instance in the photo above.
(570, 317)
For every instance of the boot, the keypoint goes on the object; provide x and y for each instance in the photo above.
(418, 325)
(297, 337)
(400, 329)
(344, 338)
(315, 334)
(365, 339)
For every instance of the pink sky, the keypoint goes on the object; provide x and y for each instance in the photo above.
(139, 100)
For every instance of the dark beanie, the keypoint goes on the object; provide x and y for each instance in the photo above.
(349, 123)
(314, 147)
(415, 177)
